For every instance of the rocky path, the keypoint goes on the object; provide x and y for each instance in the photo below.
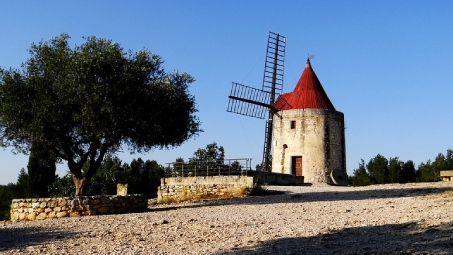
(381, 219)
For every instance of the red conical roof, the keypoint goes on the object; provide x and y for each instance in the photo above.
(308, 93)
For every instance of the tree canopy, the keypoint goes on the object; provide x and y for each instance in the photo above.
(85, 102)
(379, 170)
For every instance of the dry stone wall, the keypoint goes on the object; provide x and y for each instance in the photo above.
(177, 188)
(29, 209)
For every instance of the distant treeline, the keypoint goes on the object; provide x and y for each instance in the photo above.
(380, 170)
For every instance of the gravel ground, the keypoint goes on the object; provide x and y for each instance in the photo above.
(380, 219)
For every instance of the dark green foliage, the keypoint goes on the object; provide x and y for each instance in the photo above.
(427, 173)
(360, 176)
(41, 171)
(62, 186)
(111, 172)
(396, 168)
(21, 189)
(408, 174)
(145, 177)
(142, 178)
(86, 102)
(212, 153)
(208, 160)
(236, 165)
(449, 160)
(430, 171)
(177, 167)
(23, 185)
(7, 193)
(155, 173)
(378, 170)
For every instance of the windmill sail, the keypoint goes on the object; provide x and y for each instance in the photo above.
(274, 64)
(255, 102)
(248, 101)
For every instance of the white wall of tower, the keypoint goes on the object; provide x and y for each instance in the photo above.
(317, 135)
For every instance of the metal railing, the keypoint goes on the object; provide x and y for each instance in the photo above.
(226, 167)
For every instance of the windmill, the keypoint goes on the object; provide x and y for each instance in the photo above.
(255, 102)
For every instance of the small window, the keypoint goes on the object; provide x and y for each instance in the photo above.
(293, 124)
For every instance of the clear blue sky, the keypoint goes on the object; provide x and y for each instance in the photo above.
(387, 65)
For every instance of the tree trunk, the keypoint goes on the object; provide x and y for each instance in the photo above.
(80, 184)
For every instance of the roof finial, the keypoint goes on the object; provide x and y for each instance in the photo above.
(308, 59)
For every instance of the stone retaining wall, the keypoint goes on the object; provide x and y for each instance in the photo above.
(177, 188)
(186, 188)
(43, 208)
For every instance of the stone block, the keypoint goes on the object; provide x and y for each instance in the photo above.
(103, 210)
(62, 202)
(121, 189)
(14, 216)
(105, 200)
(73, 214)
(80, 208)
(31, 216)
(62, 214)
(52, 203)
(74, 203)
(43, 205)
(41, 216)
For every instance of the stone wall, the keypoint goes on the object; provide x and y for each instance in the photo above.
(177, 188)
(44, 208)
(447, 175)
(270, 178)
(186, 188)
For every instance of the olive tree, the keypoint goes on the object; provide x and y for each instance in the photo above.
(89, 101)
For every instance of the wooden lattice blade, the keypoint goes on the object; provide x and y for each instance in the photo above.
(248, 101)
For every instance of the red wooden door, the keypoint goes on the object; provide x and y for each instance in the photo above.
(296, 166)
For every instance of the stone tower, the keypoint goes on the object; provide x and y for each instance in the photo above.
(308, 134)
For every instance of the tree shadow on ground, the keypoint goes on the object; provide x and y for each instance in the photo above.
(408, 238)
(17, 238)
(271, 196)
(360, 194)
